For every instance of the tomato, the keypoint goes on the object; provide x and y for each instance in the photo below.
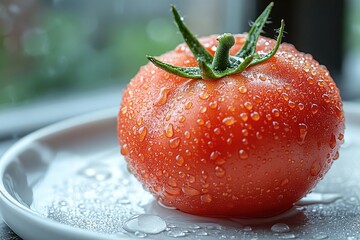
(247, 144)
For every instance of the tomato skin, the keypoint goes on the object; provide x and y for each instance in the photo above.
(248, 145)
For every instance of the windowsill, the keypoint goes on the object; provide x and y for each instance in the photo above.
(20, 120)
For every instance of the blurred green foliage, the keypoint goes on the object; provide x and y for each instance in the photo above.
(60, 51)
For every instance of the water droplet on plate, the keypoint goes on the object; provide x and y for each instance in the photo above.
(145, 223)
(280, 228)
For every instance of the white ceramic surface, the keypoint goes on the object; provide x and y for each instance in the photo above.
(68, 181)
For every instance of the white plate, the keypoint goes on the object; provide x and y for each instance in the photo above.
(68, 181)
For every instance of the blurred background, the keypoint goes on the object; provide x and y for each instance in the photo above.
(60, 58)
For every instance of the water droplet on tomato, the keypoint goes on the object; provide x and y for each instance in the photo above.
(229, 120)
(174, 191)
(244, 116)
(179, 160)
(182, 119)
(174, 142)
(139, 121)
(206, 198)
(204, 95)
(124, 150)
(142, 133)
(219, 171)
(332, 142)
(314, 108)
(190, 178)
(276, 112)
(341, 137)
(123, 110)
(162, 98)
(284, 182)
(248, 105)
(169, 131)
(326, 97)
(255, 116)
(291, 104)
(262, 78)
(315, 168)
(243, 154)
(302, 132)
(245, 132)
(213, 104)
(242, 89)
(188, 105)
(214, 155)
(190, 191)
(336, 156)
(285, 96)
(276, 125)
(203, 109)
(172, 182)
(187, 134)
(217, 131)
(321, 82)
(301, 106)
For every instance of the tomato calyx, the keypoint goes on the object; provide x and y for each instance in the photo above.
(222, 64)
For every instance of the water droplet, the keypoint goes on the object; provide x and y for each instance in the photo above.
(314, 108)
(326, 97)
(173, 191)
(336, 156)
(206, 198)
(219, 171)
(162, 98)
(188, 105)
(248, 105)
(276, 125)
(169, 131)
(286, 236)
(291, 104)
(213, 104)
(214, 155)
(203, 109)
(229, 120)
(140, 234)
(244, 116)
(182, 119)
(200, 121)
(124, 150)
(187, 134)
(190, 178)
(217, 131)
(172, 182)
(242, 89)
(302, 132)
(190, 191)
(280, 228)
(204, 95)
(275, 112)
(332, 142)
(243, 154)
(247, 229)
(255, 116)
(174, 142)
(145, 223)
(99, 172)
(123, 110)
(245, 132)
(179, 160)
(301, 106)
(320, 235)
(177, 233)
(318, 198)
(315, 168)
(284, 182)
(142, 133)
(262, 78)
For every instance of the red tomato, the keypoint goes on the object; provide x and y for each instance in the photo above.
(248, 144)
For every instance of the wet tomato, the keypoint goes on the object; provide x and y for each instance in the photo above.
(246, 134)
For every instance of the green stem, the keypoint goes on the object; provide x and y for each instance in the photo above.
(221, 59)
